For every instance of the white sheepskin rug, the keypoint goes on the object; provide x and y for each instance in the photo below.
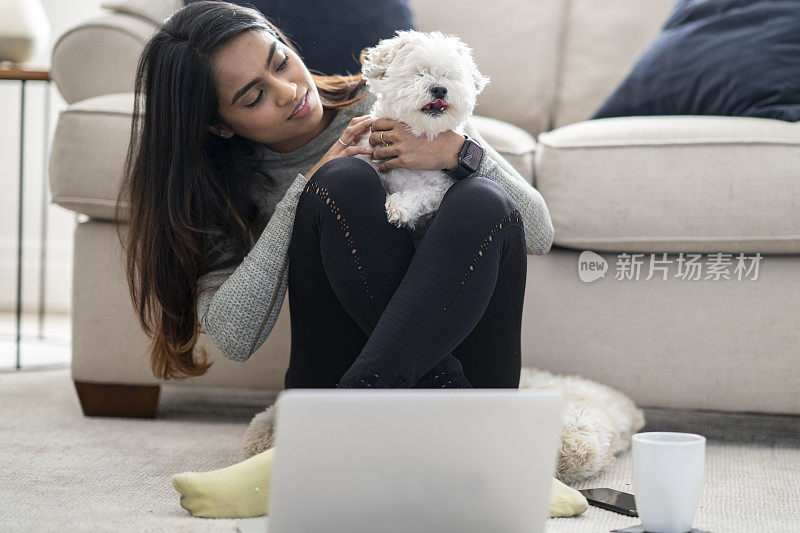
(598, 424)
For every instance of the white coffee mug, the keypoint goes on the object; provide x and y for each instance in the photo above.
(668, 472)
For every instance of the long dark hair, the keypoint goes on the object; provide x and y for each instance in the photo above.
(185, 190)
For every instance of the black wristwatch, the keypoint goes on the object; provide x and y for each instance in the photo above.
(469, 157)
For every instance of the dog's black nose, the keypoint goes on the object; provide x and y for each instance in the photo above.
(439, 91)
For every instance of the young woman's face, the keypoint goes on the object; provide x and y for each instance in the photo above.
(260, 82)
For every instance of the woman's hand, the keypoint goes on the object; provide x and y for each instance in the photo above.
(408, 151)
(351, 135)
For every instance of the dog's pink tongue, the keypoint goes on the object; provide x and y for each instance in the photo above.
(438, 104)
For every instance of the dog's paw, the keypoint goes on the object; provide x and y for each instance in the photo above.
(396, 214)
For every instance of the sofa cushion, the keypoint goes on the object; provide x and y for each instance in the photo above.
(91, 139)
(673, 184)
(728, 57)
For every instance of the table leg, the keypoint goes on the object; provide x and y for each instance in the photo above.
(19, 221)
(45, 188)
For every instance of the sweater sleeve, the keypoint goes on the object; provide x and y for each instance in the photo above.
(240, 313)
(536, 217)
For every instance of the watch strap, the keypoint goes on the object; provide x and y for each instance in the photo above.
(461, 171)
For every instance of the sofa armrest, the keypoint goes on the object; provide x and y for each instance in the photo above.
(88, 154)
(99, 56)
(512, 142)
(673, 184)
(153, 10)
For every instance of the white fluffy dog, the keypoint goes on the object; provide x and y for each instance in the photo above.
(429, 81)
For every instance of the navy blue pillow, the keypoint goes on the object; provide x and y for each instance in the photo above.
(330, 34)
(717, 57)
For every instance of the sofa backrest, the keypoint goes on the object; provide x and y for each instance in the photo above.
(551, 62)
(601, 42)
(515, 43)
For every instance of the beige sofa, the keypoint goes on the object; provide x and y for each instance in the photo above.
(648, 185)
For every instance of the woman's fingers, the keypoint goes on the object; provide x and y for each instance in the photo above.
(360, 120)
(356, 131)
(353, 150)
(361, 126)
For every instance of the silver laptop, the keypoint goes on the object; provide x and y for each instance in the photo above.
(413, 460)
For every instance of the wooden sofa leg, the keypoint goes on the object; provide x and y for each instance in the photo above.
(112, 399)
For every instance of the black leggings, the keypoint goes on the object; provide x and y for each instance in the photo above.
(368, 310)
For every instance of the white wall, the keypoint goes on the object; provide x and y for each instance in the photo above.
(62, 15)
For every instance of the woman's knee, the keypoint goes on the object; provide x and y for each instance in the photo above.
(348, 177)
(481, 197)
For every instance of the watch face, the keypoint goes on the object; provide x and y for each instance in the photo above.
(472, 157)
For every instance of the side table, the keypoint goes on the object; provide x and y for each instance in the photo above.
(24, 74)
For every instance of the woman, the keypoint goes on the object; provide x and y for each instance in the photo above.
(240, 184)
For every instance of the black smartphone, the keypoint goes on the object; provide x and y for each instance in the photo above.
(612, 500)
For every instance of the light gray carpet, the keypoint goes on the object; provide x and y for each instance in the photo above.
(61, 471)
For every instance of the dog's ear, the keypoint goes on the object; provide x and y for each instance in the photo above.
(478, 79)
(376, 59)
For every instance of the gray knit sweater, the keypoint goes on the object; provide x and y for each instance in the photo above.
(240, 312)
